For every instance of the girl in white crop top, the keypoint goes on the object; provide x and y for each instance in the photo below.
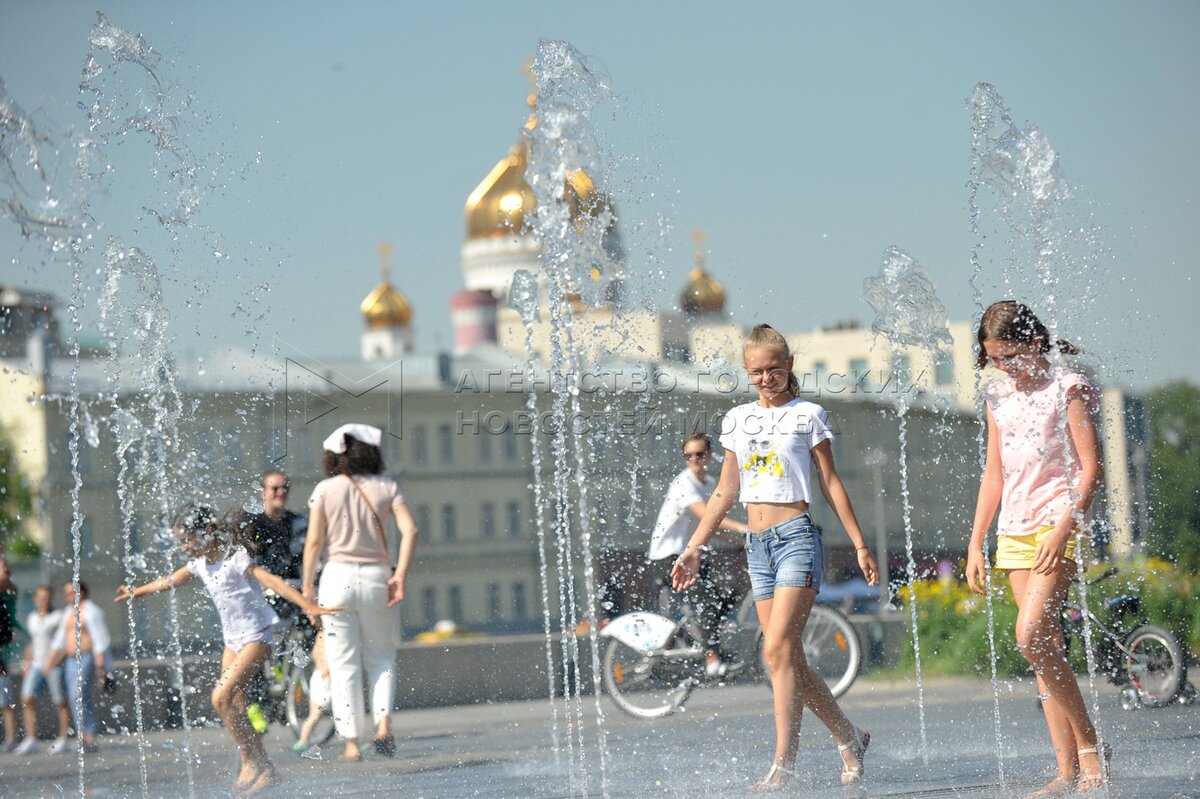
(235, 584)
(770, 448)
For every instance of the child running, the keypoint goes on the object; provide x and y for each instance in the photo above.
(770, 448)
(1042, 470)
(235, 584)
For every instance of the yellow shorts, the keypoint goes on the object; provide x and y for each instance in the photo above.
(1018, 551)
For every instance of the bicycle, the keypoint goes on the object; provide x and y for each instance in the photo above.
(287, 674)
(653, 662)
(1145, 658)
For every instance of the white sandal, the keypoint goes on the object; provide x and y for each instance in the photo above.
(1093, 781)
(858, 745)
(765, 785)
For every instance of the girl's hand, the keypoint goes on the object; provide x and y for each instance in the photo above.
(686, 569)
(313, 611)
(976, 573)
(124, 593)
(1049, 557)
(395, 590)
(866, 562)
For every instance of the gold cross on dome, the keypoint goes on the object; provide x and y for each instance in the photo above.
(699, 235)
(385, 250)
(527, 68)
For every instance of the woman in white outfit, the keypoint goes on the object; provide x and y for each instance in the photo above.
(347, 527)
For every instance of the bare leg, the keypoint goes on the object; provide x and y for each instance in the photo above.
(229, 700)
(64, 719)
(1039, 600)
(29, 710)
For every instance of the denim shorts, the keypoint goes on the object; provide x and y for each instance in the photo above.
(37, 681)
(786, 555)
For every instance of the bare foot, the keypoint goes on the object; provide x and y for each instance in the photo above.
(263, 780)
(249, 773)
(1059, 786)
(775, 780)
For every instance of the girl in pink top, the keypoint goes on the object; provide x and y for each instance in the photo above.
(1043, 471)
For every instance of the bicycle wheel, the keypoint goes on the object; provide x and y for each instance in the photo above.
(296, 705)
(831, 648)
(1155, 665)
(652, 685)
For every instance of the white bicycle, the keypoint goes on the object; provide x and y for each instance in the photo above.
(653, 662)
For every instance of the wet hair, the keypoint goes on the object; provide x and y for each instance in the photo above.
(696, 437)
(359, 458)
(199, 522)
(766, 337)
(83, 590)
(1009, 320)
(262, 480)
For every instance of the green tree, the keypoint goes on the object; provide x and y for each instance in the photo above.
(16, 502)
(1175, 474)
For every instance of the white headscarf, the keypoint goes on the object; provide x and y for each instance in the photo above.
(336, 442)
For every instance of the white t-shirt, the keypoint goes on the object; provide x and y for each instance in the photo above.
(41, 636)
(774, 448)
(675, 522)
(237, 595)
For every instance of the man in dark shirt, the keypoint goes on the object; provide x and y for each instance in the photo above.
(276, 541)
(277, 534)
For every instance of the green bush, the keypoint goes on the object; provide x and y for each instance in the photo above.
(952, 621)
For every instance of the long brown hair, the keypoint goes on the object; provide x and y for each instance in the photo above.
(768, 338)
(1009, 320)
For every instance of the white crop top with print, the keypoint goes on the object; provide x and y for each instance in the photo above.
(774, 448)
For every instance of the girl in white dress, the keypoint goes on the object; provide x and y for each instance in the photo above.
(235, 584)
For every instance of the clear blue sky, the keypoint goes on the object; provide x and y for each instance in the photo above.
(804, 137)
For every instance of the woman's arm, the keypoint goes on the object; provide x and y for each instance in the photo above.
(1081, 426)
(838, 499)
(180, 576)
(407, 526)
(314, 545)
(687, 566)
(991, 487)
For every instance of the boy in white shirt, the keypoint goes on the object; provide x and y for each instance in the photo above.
(42, 625)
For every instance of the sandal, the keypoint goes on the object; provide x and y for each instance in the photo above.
(765, 785)
(1091, 782)
(858, 747)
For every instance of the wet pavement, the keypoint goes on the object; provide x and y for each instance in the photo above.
(715, 747)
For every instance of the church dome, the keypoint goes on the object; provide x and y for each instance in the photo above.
(500, 203)
(386, 307)
(703, 294)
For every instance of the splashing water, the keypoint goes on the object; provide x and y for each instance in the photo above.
(573, 218)
(908, 314)
(523, 298)
(987, 111)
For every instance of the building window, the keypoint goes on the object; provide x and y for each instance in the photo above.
(902, 371)
(493, 593)
(488, 513)
(420, 444)
(514, 519)
(429, 605)
(445, 443)
(456, 607)
(485, 446)
(87, 542)
(510, 443)
(520, 604)
(421, 515)
(449, 527)
(858, 368)
(944, 368)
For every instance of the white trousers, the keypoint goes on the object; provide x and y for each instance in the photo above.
(360, 637)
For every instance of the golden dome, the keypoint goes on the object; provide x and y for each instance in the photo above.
(703, 293)
(499, 204)
(385, 306)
